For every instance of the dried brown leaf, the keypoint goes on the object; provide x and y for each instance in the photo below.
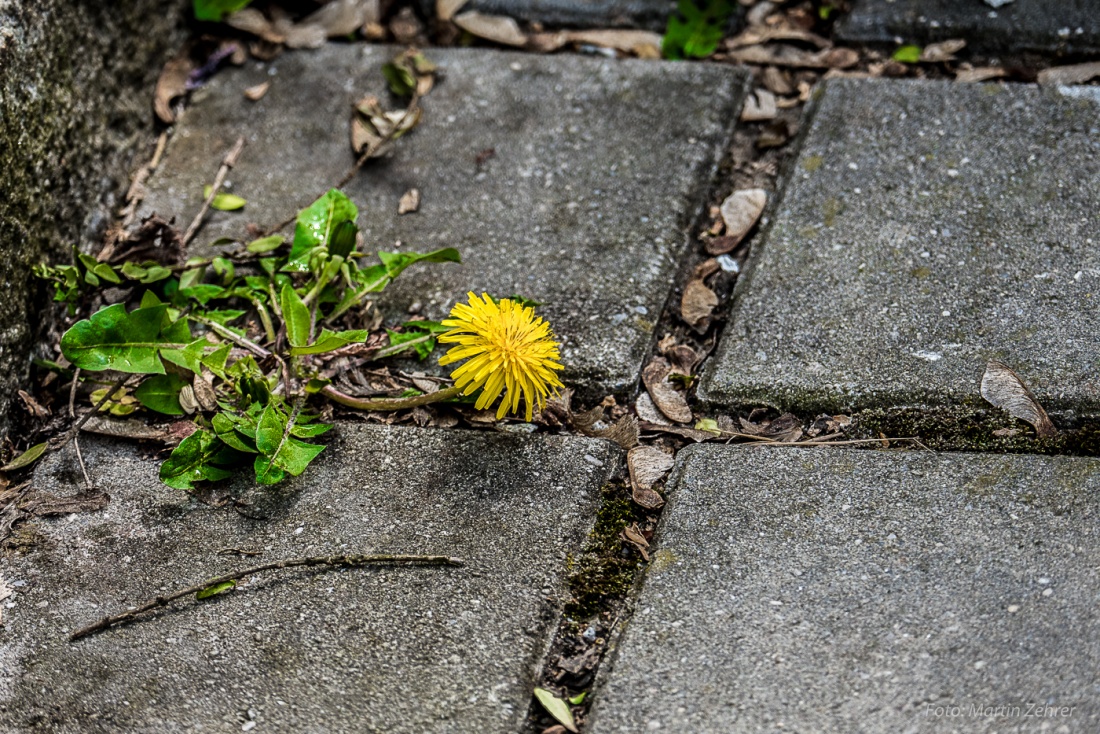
(647, 411)
(789, 56)
(942, 51)
(697, 304)
(634, 536)
(446, 9)
(777, 81)
(668, 399)
(46, 505)
(168, 433)
(256, 93)
(759, 106)
(33, 407)
(496, 28)
(758, 35)
(1004, 389)
(691, 433)
(1072, 74)
(740, 211)
(172, 83)
(648, 465)
(410, 202)
(980, 74)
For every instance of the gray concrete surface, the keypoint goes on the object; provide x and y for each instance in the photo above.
(925, 228)
(76, 84)
(652, 14)
(832, 590)
(1046, 27)
(585, 205)
(371, 650)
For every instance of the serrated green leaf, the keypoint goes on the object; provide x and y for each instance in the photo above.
(224, 202)
(162, 394)
(216, 10)
(215, 589)
(26, 458)
(226, 428)
(396, 262)
(113, 339)
(280, 451)
(215, 361)
(189, 357)
(201, 456)
(694, 31)
(422, 349)
(315, 225)
(557, 708)
(265, 244)
(329, 340)
(908, 54)
(296, 317)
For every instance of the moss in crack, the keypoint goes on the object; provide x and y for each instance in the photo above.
(603, 570)
(972, 428)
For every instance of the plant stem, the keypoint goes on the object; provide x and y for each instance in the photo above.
(331, 561)
(390, 403)
(228, 162)
(240, 341)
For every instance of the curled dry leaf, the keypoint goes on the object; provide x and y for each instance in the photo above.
(373, 126)
(633, 535)
(446, 9)
(410, 202)
(757, 35)
(759, 106)
(777, 81)
(256, 93)
(697, 304)
(668, 399)
(168, 433)
(789, 56)
(172, 83)
(647, 411)
(333, 20)
(636, 42)
(496, 28)
(942, 51)
(740, 211)
(980, 74)
(1004, 389)
(1073, 74)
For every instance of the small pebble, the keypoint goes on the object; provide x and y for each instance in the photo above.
(1048, 592)
(1013, 608)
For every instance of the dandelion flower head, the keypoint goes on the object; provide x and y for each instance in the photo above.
(508, 349)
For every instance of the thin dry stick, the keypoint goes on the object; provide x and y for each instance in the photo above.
(361, 161)
(76, 439)
(343, 561)
(228, 162)
(84, 419)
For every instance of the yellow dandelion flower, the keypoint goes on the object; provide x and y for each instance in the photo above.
(508, 347)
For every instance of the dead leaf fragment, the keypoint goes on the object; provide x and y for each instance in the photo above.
(256, 93)
(172, 83)
(697, 304)
(740, 211)
(636, 42)
(759, 106)
(648, 465)
(789, 56)
(1004, 389)
(777, 81)
(669, 400)
(634, 536)
(648, 412)
(980, 74)
(410, 202)
(33, 407)
(1073, 74)
(942, 51)
(46, 505)
(446, 9)
(496, 28)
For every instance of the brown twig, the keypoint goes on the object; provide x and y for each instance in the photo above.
(342, 561)
(390, 403)
(228, 162)
(361, 161)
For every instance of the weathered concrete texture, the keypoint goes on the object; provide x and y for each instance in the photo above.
(652, 14)
(75, 87)
(584, 206)
(373, 649)
(926, 227)
(1031, 26)
(847, 591)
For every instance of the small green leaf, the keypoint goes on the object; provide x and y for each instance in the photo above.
(215, 589)
(296, 317)
(201, 456)
(315, 225)
(281, 453)
(709, 425)
(224, 202)
(422, 349)
(215, 361)
(401, 79)
(215, 10)
(227, 429)
(557, 708)
(26, 458)
(908, 54)
(203, 292)
(309, 430)
(396, 262)
(190, 357)
(694, 31)
(329, 341)
(426, 326)
(578, 699)
(162, 394)
(265, 244)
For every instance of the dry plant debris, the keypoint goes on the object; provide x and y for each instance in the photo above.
(1004, 389)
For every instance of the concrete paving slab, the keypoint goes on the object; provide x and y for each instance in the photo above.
(371, 650)
(848, 591)
(652, 14)
(1035, 26)
(598, 169)
(925, 228)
